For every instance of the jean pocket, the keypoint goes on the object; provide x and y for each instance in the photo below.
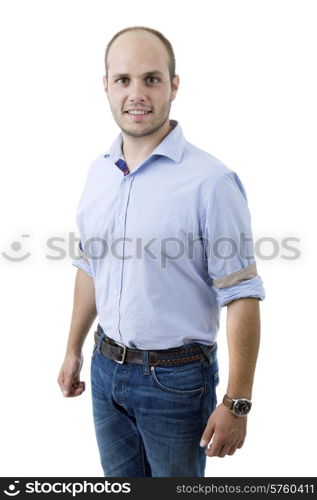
(187, 380)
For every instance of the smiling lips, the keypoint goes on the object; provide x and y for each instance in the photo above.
(138, 115)
(138, 111)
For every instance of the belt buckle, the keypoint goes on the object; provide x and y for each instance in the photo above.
(123, 354)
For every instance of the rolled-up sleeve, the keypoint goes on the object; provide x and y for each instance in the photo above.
(83, 262)
(229, 243)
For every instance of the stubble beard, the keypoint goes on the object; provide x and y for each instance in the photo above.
(151, 129)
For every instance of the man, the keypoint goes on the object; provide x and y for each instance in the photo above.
(165, 243)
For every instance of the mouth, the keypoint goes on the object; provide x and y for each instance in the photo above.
(138, 115)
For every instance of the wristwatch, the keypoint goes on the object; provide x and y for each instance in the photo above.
(240, 407)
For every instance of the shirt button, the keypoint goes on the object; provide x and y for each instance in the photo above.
(120, 217)
(117, 292)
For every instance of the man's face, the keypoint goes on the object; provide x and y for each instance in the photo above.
(138, 79)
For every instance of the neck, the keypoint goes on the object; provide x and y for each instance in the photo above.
(136, 149)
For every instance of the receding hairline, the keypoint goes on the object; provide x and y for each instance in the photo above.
(144, 30)
(132, 31)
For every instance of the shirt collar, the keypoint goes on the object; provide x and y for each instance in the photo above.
(172, 146)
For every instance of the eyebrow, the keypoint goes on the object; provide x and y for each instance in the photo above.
(154, 72)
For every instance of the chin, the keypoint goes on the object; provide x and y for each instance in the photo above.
(141, 133)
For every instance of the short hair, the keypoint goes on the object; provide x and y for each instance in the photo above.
(158, 34)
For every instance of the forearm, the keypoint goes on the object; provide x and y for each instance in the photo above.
(243, 337)
(84, 311)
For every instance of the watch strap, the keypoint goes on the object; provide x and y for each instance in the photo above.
(231, 403)
(228, 402)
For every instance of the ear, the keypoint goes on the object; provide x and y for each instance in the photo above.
(105, 83)
(175, 85)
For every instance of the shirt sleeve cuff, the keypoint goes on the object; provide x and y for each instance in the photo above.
(82, 265)
(249, 288)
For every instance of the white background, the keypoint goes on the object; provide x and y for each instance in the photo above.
(248, 96)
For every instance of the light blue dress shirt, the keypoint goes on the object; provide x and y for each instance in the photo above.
(167, 244)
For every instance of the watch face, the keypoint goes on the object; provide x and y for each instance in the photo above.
(242, 407)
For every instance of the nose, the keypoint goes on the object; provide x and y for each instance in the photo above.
(136, 91)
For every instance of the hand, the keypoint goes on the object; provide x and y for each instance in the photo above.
(228, 432)
(68, 378)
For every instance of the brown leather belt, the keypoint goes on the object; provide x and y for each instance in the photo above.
(121, 353)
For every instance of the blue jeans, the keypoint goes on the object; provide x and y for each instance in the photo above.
(149, 420)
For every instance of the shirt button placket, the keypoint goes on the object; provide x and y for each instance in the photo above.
(119, 241)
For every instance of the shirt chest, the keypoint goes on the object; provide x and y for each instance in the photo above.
(144, 205)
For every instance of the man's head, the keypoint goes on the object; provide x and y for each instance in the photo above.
(140, 75)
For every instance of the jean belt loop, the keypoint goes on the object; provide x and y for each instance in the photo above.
(146, 367)
(101, 337)
(207, 352)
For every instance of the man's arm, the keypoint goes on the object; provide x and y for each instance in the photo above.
(83, 316)
(243, 336)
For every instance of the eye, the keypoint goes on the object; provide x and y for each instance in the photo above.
(153, 78)
(121, 79)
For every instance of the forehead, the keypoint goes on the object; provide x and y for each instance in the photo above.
(137, 53)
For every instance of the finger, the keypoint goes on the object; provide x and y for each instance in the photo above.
(69, 385)
(79, 385)
(207, 435)
(75, 390)
(213, 449)
(223, 451)
(240, 444)
(75, 393)
(232, 450)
